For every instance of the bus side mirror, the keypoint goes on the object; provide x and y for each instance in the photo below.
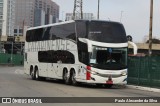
(129, 38)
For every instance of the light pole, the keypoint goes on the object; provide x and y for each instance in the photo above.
(62, 15)
(1, 34)
(121, 16)
(0, 40)
(98, 10)
(12, 53)
(150, 28)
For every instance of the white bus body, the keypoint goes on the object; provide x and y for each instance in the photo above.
(78, 51)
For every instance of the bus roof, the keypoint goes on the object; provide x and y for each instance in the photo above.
(43, 26)
(61, 23)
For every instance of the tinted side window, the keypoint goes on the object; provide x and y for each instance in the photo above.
(46, 33)
(83, 54)
(63, 31)
(38, 34)
(52, 33)
(30, 35)
(81, 29)
(55, 56)
(34, 35)
(27, 36)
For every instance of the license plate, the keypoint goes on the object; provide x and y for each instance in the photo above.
(109, 82)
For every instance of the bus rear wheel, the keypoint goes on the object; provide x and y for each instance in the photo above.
(66, 77)
(32, 75)
(37, 75)
(73, 78)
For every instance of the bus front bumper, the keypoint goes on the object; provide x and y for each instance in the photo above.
(105, 80)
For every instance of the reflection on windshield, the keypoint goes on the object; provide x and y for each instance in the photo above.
(108, 32)
(109, 58)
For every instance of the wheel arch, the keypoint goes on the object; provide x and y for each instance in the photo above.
(72, 69)
(35, 68)
(31, 69)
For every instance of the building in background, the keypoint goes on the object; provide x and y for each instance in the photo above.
(46, 12)
(24, 13)
(1, 16)
(87, 16)
(7, 20)
(34, 13)
(1, 21)
(7, 17)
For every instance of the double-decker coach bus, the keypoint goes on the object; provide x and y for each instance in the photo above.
(89, 51)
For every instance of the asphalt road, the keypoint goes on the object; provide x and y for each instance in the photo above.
(14, 83)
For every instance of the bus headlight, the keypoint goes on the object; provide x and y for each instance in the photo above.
(124, 73)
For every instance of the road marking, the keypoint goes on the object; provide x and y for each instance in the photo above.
(18, 71)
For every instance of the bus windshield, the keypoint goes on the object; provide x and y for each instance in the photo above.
(108, 32)
(109, 58)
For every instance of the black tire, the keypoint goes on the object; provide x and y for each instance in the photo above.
(37, 77)
(66, 77)
(108, 85)
(37, 74)
(73, 79)
(32, 74)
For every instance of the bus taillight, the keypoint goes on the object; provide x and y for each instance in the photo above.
(88, 74)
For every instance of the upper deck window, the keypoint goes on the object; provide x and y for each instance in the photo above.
(63, 31)
(108, 32)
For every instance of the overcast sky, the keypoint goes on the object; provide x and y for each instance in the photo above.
(135, 17)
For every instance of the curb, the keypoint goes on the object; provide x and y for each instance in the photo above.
(4, 65)
(144, 88)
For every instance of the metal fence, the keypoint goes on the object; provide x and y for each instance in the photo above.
(5, 58)
(144, 71)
